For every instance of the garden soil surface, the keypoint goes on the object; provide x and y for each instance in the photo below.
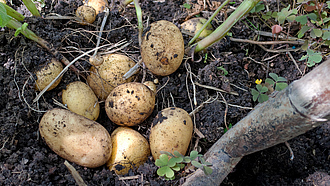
(25, 159)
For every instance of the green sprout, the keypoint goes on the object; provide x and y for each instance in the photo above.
(168, 163)
(260, 93)
(187, 6)
(31, 7)
(224, 71)
(229, 127)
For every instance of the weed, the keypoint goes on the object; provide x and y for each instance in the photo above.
(168, 163)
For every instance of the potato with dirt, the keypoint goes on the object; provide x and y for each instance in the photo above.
(162, 48)
(47, 74)
(105, 77)
(130, 104)
(75, 138)
(86, 14)
(171, 131)
(80, 99)
(129, 150)
(192, 26)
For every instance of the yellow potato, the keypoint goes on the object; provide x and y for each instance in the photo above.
(162, 48)
(81, 100)
(105, 77)
(47, 74)
(129, 150)
(87, 14)
(76, 138)
(171, 131)
(192, 26)
(98, 5)
(130, 104)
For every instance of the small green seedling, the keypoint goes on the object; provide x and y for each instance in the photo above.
(275, 82)
(229, 127)
(169, 163)
(224, 71)
(312, 57)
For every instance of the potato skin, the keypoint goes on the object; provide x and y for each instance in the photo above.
(98, 5)
(76, 138)
(105, 77)
(80, 99)
(87, 14)
(171, 130)
(193, 25)
(129, 150)
(130, 104)
(47, 74)
(162, 48)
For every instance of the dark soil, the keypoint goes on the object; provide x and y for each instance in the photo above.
(26, 160)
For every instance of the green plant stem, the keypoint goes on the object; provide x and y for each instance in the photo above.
(208, 22)
(14, 24)
(13, 13)
(126, 2)
(139, 17)
(222, 30)
(31, 7)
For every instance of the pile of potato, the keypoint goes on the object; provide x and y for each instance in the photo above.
(74, 134)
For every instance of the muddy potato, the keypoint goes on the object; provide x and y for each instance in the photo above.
(171, 130)
(192, 26)
(87, 14)
(47, 74)
(98, 5)
(76, 138)
(105, 77)
(129, 150)
(81, 100)
(162, 48)
(130, 104)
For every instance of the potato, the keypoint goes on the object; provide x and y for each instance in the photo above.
(76, 138)
(47, 74)
(171, 130)
(162, 48)
(130, 104)
(87, 14)
(129, 150)
(81, 100)
(98, 5)
(192, 26)
(105, 77)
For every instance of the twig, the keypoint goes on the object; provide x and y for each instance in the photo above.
(101, 29)
(291, 152)
(226, 110)
(216, 89)
(75, 174)
(278, 51)
(266, 42)
(295, 63)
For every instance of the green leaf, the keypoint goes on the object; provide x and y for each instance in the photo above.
(303, 57)
(255, 94)
(163, 158)
(176, 168)
(305, 45)
(165, 171)
(167, 153)
(261, 89)
(302, 19)
(280, 86)
(4, 17)
(207, 163)
(328, 3)
(312, 16)
(258, 8)
(196, 164)
(281, 79)
(177, 159)
(291, 18)
(262, 98)
(187, 6)
(171, 162)
(316, 33)
(274, 76)
(269, 81)
(302, 31)
(207, 170)
(177, 153)
(267, 15)
(193, 154)
(326, 35)
(186, 159)
(20, 29)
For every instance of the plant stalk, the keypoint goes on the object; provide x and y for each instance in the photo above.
(222, 30)
(13, 13)
(139, 17)
(31, 7)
